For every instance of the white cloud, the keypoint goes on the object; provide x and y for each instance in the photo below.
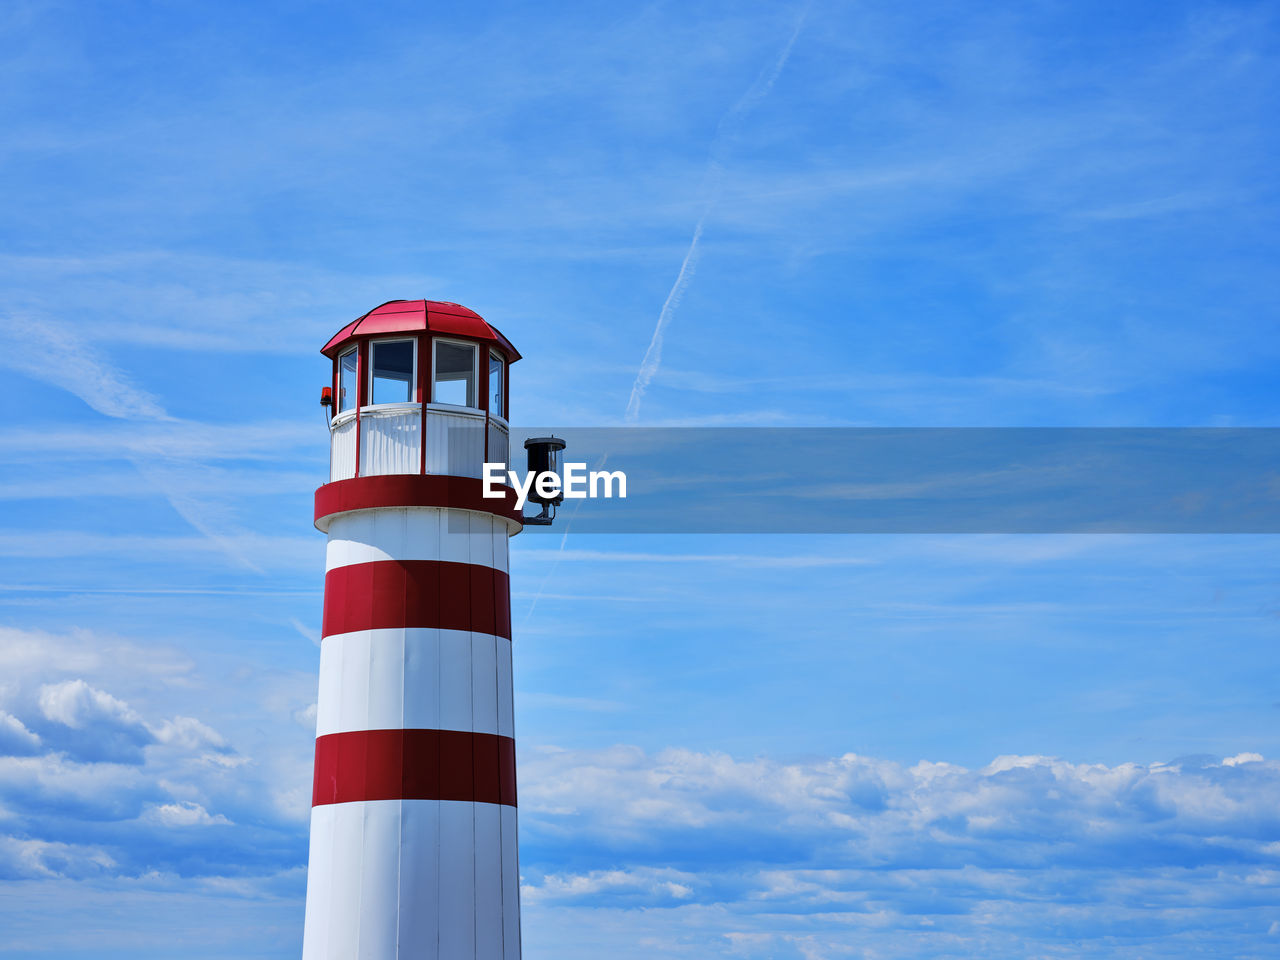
(103, 790)
(58, 783)
(76, 704)
(307, 715)
(184, 813)
(1240, 758)
(39, 859)
(188, 733)
(15, 738)
(24, 653)
(653, 884)
(861, 811)
(109, 729)
(228, 760)
(680, 852)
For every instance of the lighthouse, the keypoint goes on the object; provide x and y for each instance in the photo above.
(413, 820)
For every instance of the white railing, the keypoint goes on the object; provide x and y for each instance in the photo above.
(499, 443)
(342, 449)
(455, 440)
(391, 441)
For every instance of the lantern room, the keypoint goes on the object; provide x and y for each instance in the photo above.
(419, 387)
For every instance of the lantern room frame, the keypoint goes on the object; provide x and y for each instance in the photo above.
(425, 323)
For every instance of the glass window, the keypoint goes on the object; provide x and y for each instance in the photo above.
(495, 385)
(392, 363)
(347, 382)
(455, 379)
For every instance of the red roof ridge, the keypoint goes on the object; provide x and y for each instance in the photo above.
(421, 316)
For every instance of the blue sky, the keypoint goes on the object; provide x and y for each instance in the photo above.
(872, 214)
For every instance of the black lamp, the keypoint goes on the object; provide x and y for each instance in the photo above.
(544, 457)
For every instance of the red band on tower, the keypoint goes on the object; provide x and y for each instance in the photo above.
(414, 765)
(417, 593)
(412, 490)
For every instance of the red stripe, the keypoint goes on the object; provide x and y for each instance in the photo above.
(414, 765)
(411, 490)
(417, 593)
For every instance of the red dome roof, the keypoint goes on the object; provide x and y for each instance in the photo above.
(418, 316)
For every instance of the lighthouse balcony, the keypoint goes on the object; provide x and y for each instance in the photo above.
(416, 438)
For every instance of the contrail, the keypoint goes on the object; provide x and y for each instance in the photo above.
(653, 356)
(714, 181)
(725, 129)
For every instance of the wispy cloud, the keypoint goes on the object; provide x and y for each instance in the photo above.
(183, 302)
(178, 440)
(277, 552)
(52, 353)
(311, 634)
(763, 561)
(559, 702)
(122, 482)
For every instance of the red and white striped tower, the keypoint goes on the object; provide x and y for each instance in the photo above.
(413, 822)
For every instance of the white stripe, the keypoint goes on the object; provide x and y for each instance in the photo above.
(488, 858)
(510, 885)
(455, 683)
(417, 533)
(320, 875)
(420, 879)
(415, 677)
(380, 879)
(333, 883)
(458, 867)
(484, 681)
(506, 707)
(412, 878)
